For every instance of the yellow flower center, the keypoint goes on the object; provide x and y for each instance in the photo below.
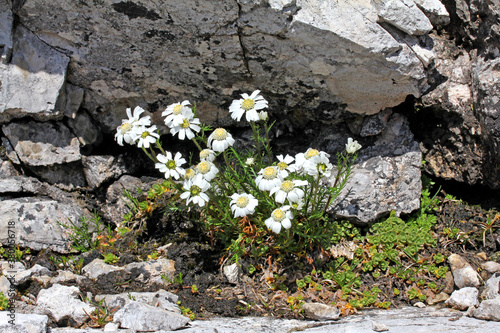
(322, 167)
(195, 190)
(124, 128)
(205, 153)
(177, 109)
(282, 165)
(144, 134)
(189, 174)
(242, 202)
(204, 167)
(270, 173)
(220, 134)
(248, 104)
(278, 215)
(310, 153)
(170, 164)
(185, 123)
(286, 186)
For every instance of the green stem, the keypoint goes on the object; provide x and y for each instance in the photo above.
(197, 144)
(149, 155)
(256, 138)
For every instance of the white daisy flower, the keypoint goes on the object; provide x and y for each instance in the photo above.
(288, 189)
(220, 140)
(174, 113)
(146, 136)
(268, 178)
(284, 165)
(248, 106)
(298, 205)
(280, 217)
(186, 127)
(319, 164)
(195, 190)
(243, 204)
(171, 166)
(125, 132)
(207, 155)
(352, 146)
(207, 169)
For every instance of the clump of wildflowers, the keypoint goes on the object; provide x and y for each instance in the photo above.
(283, 199)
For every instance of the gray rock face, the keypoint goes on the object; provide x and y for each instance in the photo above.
(23, 323)
(161, 299)
(97, 268)
(99, 169)
(488, 310)
(64, 305)
(151, 271)
(463, 299)
(143, 317)
(35, 222)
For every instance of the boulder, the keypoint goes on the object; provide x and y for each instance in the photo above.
(143, 317)
(488, 310)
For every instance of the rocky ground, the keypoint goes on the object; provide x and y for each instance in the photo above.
(173, 277)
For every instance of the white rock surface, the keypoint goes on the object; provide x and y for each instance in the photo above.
(161, 299)
(143, 317)
(23, 323)
(463, 273)
(98, 267)
(463, 299)
(319, 311)
(488, 310)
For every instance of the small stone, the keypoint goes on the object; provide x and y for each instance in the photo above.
(441, 297)
(319, 311)
(482, 255)
(463, 273)
(145, 317)
(463, 299)
(419, 305)
(378, 327)
(97, 268)
(232, 273)
(111, 327)
(488, 310)
(491, 287)
(491, 266)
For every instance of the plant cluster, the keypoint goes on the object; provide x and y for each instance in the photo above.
(251, 201)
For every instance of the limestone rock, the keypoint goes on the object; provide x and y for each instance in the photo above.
(491, 266)
(35, 222)
(161, 299)
(463, 299)
(491, 287)
(404, 15)
(463, 273)
(33, 80)
(379, 327)
(24, 275)
(441, 297)
(143, 317)
(23, 323)
(232, 273)
(99, 169)
(6, 21)
(97, 268)
(64, 305)
(319, 311)
(488, 310)
(435, 11)
(151, 271)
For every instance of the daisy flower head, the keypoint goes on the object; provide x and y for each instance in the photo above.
(146, 136)
(189, 174)
(289, 189)
(280, 217)
(319, 164)
(352, 146)
(248, 106)
(243, 204)
(207, 155)
(284, 165)
(125, 132)
(171, 166)
(195, 190)
(174, 113)
(220, 140)
(268, 178)
(207, 169)
(186, 127)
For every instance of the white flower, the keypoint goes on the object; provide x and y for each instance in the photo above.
(268, 178)
(174, 113)
(171, 166)
(195, 190)
(220, 139)
(308, 160)
(250, 161)
(288, 189)
(352, 146)
(207, 155)
(248, 106)
(185, 128)
(280, 217)
(263, 115)
(284, 165)
(146, 136)
(125, 132)
(298, 205)
(207, 169)
(189, 174)
(243, 204)
(319, 164)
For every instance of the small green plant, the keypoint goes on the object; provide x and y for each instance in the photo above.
(82, 234)
(101, 315)
(110, 258)
(4, 302)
